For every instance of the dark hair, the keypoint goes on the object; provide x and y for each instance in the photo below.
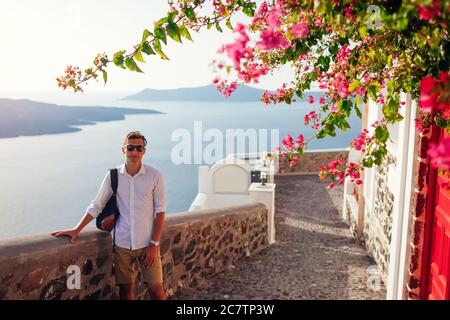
(135, 135)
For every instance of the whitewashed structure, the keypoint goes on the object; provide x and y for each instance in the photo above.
(379, 211)
(236, 180)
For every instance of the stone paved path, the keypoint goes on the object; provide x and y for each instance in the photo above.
(314, 256)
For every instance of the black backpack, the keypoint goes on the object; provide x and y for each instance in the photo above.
(111, 206)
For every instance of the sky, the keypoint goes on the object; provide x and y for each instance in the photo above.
(40, 38)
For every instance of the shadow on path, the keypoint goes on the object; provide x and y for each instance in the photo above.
(314, 257)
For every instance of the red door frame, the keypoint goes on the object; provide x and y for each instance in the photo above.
(431, 199)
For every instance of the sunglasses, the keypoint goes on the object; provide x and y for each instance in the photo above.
(131, 147)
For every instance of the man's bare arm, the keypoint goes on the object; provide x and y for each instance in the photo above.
(158, 226)
(150, 253)
(73, 233)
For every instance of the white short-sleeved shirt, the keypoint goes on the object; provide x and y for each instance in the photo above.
(139, 199)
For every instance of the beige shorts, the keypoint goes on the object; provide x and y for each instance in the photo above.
(127, 263)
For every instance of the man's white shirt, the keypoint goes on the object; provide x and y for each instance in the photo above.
(139, 199)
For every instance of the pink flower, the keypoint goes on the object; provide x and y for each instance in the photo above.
(440, 154)
(260, 15)
(333, 164)
(322, 100)
(318, 22)
(273, 19)
(293, 161)
(349, 14)
(252, 72)
(362, 141)
(222, 10)
(444, 77)
(272, 39)
(225, 89)
(430, 12)
(216, 80)
(310, 99)
(419, 125)
(427, 99)
(300, 141)
(288, 142)
(331, 185)
(380, 99)
(300, 31)
(238, 50)
(312, 119)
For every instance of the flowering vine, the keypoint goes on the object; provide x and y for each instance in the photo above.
(350, 53)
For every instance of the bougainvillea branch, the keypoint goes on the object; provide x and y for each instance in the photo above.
(352, 52)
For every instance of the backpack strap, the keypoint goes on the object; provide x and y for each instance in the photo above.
(114, 180)
(114, 185)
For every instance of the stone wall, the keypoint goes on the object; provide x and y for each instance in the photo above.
(378, 222)
(311, 161)
(194, 246)
(417, 243)
(36, 267)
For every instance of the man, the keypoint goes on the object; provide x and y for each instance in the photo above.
(142, 204)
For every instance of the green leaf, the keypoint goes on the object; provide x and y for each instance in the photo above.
(321, 134)
(401, 24)
(118, 59)
(185, 33)
(358, 112)
(372, 90)
(147, 48)
(288, 100)
(357, 101)
(218, 27)
(362, 31)
(157, 47)
(389, 60)
(145, 35)
(160, 22)
(228, 24)
(189, 12)
(367, 162)
(323, 63)
(381, 134)
(379, 155)
(355, 84)
(345, 107)
(161, 34)
(173, 31)
(390, 86)
(249, 9)
(390, 109)
(171, 16)
(105, 76)
(131, 65)
(138, 56)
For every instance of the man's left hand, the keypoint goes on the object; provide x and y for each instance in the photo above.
(150, 255)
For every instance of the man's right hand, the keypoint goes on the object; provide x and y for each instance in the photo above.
(72, 233)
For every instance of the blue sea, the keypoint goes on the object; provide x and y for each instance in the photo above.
(48, 181)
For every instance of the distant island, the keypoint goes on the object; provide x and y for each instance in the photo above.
(28, 118)
(207, 93)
